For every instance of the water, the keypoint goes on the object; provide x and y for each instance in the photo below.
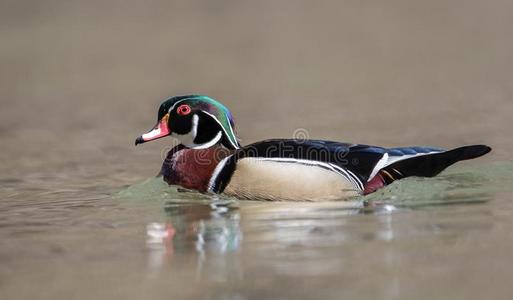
(83, 217)
(150, 240)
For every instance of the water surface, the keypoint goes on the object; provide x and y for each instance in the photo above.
(150, 240)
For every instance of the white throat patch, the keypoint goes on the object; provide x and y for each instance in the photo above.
(208, 144)
(188, 138)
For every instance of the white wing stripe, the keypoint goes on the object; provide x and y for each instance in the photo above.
(386, 160)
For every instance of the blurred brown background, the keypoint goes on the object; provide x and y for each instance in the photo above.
(80, 80)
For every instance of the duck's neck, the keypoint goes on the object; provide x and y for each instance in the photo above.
(192, 168)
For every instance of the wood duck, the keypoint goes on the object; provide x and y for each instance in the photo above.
(210, 158)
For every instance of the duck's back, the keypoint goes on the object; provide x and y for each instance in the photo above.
(285, 169)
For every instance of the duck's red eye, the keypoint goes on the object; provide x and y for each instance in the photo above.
(183, 110)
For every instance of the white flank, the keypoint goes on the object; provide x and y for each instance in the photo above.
(282, 179)
(348, 175)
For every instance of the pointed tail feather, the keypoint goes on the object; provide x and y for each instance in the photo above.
(432, 164)
(423, 166)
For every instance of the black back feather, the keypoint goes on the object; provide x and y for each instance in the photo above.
(432, 164)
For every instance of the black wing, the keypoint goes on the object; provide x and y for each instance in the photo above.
(359, 160)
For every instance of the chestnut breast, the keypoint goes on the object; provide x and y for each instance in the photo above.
(192, 168)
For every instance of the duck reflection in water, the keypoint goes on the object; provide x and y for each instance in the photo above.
(215, 229)
(205, 229)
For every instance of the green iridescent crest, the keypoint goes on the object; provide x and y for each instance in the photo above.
(216, 110)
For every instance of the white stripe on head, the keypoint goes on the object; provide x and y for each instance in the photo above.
(176, 103)
(224, 129)
(188, 138)
(228, 137)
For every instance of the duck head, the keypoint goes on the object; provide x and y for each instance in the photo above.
(198, 121)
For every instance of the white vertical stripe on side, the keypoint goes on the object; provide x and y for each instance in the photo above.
(216, 172)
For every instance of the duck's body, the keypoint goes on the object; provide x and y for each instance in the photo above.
(292, 170)
(282, 169)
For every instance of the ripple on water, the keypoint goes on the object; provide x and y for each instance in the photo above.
(460, 184)
(204, 223)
